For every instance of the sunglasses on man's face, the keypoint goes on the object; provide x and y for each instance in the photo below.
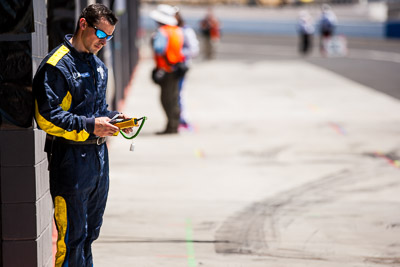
(100, 34)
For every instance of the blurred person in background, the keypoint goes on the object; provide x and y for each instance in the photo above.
(167, 44)
(210, 29)
(305, 28)
(327, 25)
(190, 50)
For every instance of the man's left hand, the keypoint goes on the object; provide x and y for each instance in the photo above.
(126, 130)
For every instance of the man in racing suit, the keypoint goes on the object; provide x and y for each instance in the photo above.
(70, 105)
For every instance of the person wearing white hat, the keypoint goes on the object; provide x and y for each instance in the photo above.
(165, 14)
(167, 44)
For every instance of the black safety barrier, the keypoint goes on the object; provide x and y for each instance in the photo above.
(16, 16)
(60, 21)
(16, 100)
(16, 26)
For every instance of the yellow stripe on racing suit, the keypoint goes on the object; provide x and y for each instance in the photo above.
(60, 215)
(52, 129)
(53, 60)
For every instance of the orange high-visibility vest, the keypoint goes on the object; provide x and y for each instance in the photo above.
(173, 51)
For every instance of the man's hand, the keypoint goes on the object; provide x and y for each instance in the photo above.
(126, 130)
(102, 128)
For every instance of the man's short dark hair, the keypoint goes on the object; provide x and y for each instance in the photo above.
(94, 13)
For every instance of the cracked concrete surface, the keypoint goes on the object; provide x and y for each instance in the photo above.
(288, 165)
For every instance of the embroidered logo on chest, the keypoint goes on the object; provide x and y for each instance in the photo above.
(101, 71)
(77, 75)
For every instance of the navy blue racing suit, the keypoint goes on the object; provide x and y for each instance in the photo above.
(70, 92)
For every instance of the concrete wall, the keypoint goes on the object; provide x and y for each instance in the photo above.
(26, 207)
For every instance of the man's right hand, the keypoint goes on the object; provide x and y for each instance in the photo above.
(103, 128)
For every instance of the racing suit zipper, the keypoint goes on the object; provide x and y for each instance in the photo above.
(94, 74)
(95, 86)
(97, 148)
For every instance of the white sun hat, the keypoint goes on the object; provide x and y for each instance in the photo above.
(165, 14)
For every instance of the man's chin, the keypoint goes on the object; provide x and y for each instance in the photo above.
(95, 50)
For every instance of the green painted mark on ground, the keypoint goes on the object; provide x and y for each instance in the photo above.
(189, 244)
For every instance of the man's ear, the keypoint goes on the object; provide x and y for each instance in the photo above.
(82, 23)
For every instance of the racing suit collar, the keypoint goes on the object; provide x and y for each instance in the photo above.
(83, 56)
